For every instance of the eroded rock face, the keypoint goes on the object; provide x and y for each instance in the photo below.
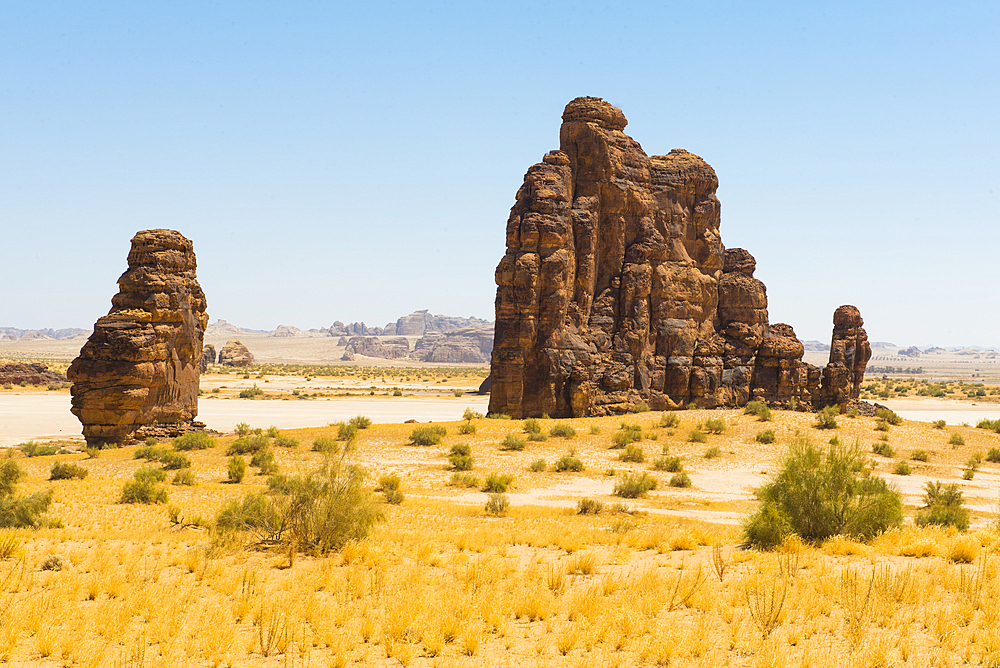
(234, 353)
(207, 357)
(28, 373)
(616, 288)
(141, 365)
(370, 346)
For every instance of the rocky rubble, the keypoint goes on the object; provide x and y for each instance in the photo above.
(140, 367)
(616, 289)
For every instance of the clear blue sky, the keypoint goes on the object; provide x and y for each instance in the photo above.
(356, 161)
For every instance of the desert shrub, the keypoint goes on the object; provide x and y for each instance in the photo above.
(20, 511)
(568, 463)
(286, 442)
(766, 436)
(537, 466)
(974, 461)
(471, 415)
(902, 468)
(316, 513)
(67, 471)
(428, 435)
(669, 419)
(632, 453)
(562, 430)
(668, 464)
(881, 425)
(150, 453)
(360, 421)
(883, 450)
(346, 432)
(595, 429)
(712, 452)
(633, 486)
(818, 494)
(184, 477)
(237, 469)
(497, 416)
(92, 452)
(920, 456)
(174, 461)
(680, 479)
(993, 455)
(715, 426)
(466, 428)
(248, 445)
(326, 445)
(889, 416)
(252, 392)
(143, 488)
(33, 449)
(512, 442)
(940, 424)
(532, 426)
(460, 457)
(991, 425)
(397, 393)
(943, 507)
(497, 483)
(391, 486)
(827, 418)
(263, 460)
(588, 506)
(537, 436)
(623, 438)
(464, 480)
(272, 432)
(195, 440)
(956, 440)
(640, 407)
(242, 429)
(754, 407)
(968, 474)
(497, 504)
(697, 436)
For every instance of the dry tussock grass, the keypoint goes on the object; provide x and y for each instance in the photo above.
(441, 583)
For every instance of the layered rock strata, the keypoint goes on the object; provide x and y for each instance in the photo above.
(234, 353)
(28, 373)
(140, 367)
(616, 288)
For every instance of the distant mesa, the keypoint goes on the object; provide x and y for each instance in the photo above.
(14, 334)
(25, 373)
(616, 289)
(234, 353)
(137, 374)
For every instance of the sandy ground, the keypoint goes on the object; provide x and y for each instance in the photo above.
(951, 411)
(37, 416)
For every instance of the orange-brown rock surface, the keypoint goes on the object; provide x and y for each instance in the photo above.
(616, 288)
(234, 353)
(28, 373)
(140, 366)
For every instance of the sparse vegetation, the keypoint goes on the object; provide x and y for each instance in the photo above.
(568, 463)
(428, 435)
(460, 457)
(827, 418)
(144, 487)
(195, 440)
(20, 511)
(562, 430)
(633, 486)
(511, 442)
(67, 471)
(766, 436)
(943, 507)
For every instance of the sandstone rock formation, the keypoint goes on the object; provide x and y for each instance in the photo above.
(470, 345)
(370, 346)
(235, 353)
(207, 357)
(28, 373)
(140, 366)
(616, 288)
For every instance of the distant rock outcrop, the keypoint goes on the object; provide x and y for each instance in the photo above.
(471, 345)
(207, 357)
(285, 331)
(419, 323)
(14, 334)
(370, 346)
(616, 288)
(140, 366)
(235, 353)
(24, 373)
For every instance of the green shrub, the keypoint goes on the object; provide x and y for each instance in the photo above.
(827, 418)
(993, 455)
(237, 469)
(251, 393)
(466, 428)
(360, 421)
(242, 429)
(391, 486)
(471, 415)
(588, 506)
(712, 452)
(669, 419)
(640, 407)
(460, 457)
(272, 432)
(680, 479)
(497, 504)
(668, 464)
(940, 424)
(943, 507)
(497, 483)
(568, 463)
(174, 461)
(286, 442)
(427, 435)
(766, 436)
(595, 429)
(902, 468)
(532, 426)
(881, 425)
(263, 460)
(697, 436)
(967, 474)
(956, 440)
(920, 456)
(347, 432)
(248, 444)
(20, 511)
(991, 425)
(537, 466)
(33, 449)
(715, 425)
(150, 453)
(562, 430)
(817, 494)
(632, 453)
(326, 445)
(537, 436)
(143, 488)
(883, 450)
(67, 471)
(889, 416)
(512, 442)
(184, 477)
(464, 480)
(397, 393)
(633, 486)
(195, 440)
